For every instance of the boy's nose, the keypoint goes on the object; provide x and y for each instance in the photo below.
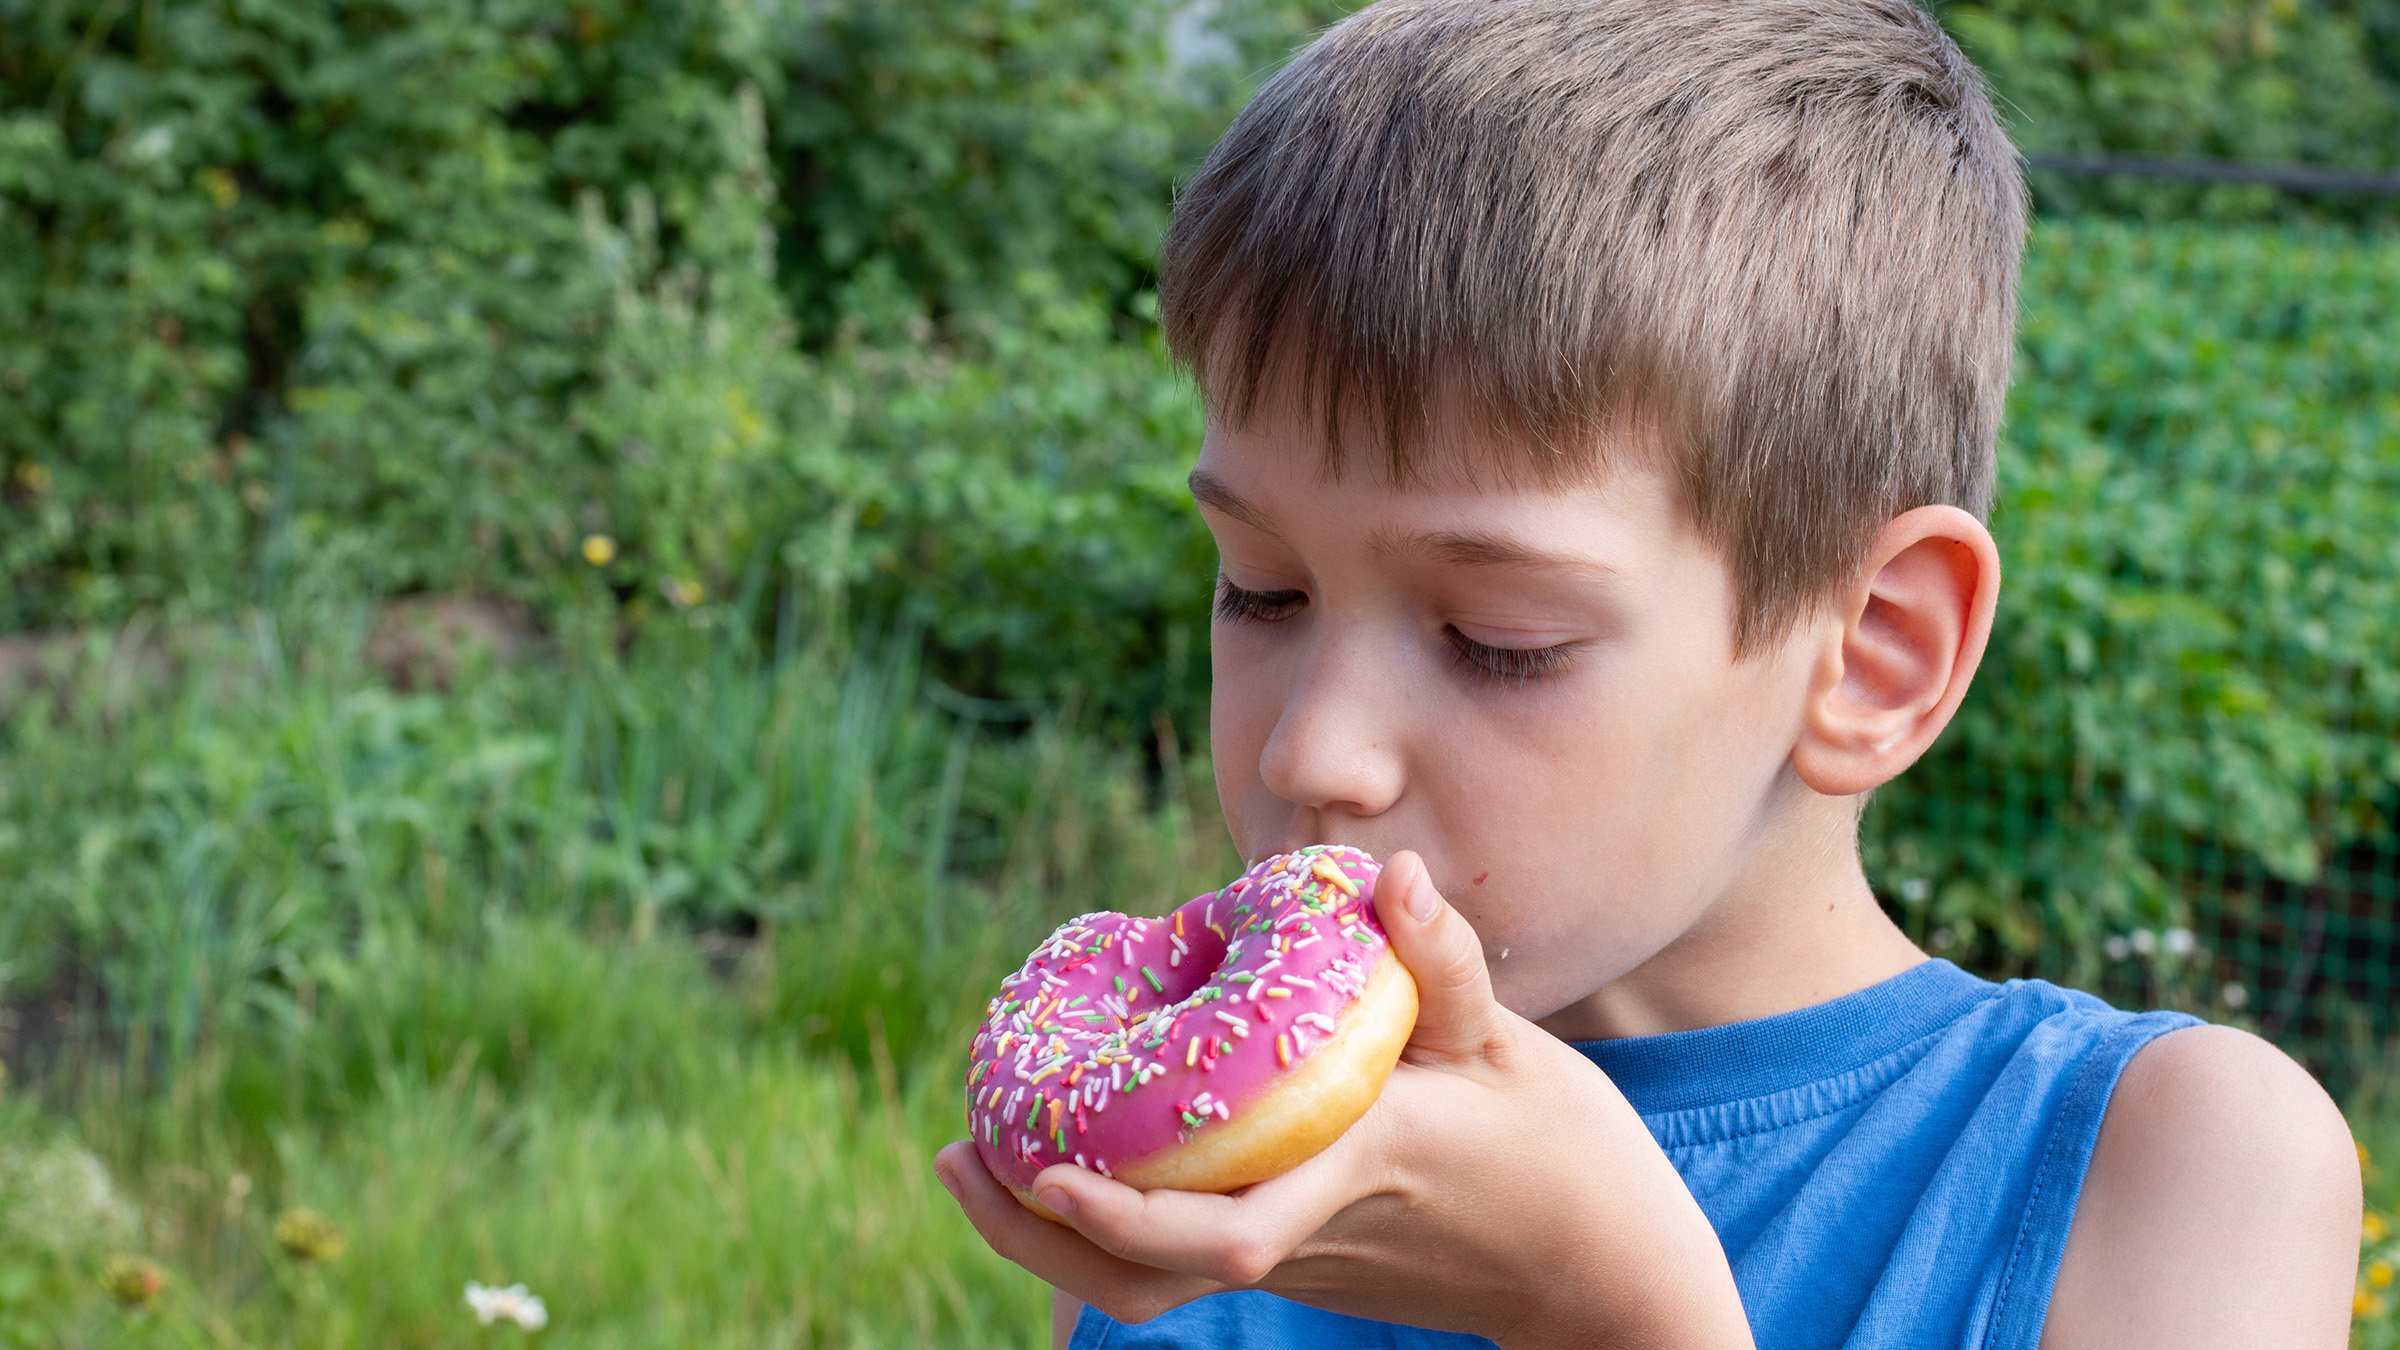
(1336, 748)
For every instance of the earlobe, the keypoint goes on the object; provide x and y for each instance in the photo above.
(1914, 628)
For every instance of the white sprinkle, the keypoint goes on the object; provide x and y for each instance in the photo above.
(1257, 987)
(1316, 1019)
(1223, 1112)
(1238, 1024)
(1079, 1162)
(1104, 1169)
(1297, 981)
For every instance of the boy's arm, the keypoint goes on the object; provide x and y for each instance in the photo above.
(1064, 1309)
(2221, 1208)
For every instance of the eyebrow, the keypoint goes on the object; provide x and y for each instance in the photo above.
(1459, 548)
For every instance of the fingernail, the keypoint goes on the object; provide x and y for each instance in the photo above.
(949, 1183)
(1057, 1201)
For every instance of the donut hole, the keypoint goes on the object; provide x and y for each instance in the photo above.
(1182, 970)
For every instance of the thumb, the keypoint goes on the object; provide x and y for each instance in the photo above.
(1457, 1017)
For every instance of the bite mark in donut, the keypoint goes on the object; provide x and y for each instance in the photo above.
(1221, 1045)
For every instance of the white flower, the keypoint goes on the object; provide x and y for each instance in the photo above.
(1915, 889)
(2234, 995)
(2116, 947)
(2176, 941)
(2144, 941)
(513, 1303)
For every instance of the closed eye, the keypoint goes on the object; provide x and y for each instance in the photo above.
(1506, 666)
(1235, 605)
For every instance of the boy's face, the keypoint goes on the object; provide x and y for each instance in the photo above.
(1534, 689)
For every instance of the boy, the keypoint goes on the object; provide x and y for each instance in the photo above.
(1602, 398)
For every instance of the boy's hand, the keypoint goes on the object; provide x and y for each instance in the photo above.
(1500, 1185)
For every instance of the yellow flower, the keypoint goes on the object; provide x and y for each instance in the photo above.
(2364, 1304)
(2374, 1228)
(35, 477)
(2380, 1274)
(599, 550)
(685, 592)
(309, 1237)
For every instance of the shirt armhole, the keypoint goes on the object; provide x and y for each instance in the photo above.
(2022, 1302)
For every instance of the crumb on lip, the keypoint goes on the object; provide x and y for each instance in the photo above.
(1479, 876)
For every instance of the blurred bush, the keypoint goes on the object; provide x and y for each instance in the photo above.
(2257, 81)
(793, 315)
(2191, 692)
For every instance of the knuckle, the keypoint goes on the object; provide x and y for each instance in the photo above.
(1247, 1261)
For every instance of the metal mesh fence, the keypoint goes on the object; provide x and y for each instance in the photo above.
(2177, 779)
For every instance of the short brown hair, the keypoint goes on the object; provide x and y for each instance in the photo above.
(1781, 235)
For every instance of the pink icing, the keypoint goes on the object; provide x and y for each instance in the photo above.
(1122, 1036)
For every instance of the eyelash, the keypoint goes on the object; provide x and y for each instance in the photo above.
(1507, 666)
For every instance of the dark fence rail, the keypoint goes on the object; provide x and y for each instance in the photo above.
(2294, 177)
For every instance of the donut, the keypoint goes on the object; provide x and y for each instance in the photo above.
(1226, 1043)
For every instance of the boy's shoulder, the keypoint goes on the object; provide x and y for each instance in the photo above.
(2224, 1185)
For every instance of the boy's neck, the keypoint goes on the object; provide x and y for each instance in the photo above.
(1797, 926)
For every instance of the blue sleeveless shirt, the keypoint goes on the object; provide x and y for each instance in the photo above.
(1894, 1167)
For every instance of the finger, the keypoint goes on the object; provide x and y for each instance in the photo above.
(1457, 1017)
(1234, 1239)
(1125, 1290)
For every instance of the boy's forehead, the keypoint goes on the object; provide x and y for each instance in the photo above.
(1273, 478)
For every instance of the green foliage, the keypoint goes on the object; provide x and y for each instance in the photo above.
(2256, 81)
(229, 860)
(2191, 675)
(960, 159)
(636, 977)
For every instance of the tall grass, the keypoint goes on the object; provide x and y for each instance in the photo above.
(640, 977)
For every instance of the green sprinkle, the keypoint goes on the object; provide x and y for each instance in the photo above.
(1191, 1120)
(1361, 935)
(1224, 1047)
(1152, 977)
(1059, 1135)
(1120, 984)
(1080, 1000)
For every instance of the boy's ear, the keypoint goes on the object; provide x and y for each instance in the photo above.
(1913, 629)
